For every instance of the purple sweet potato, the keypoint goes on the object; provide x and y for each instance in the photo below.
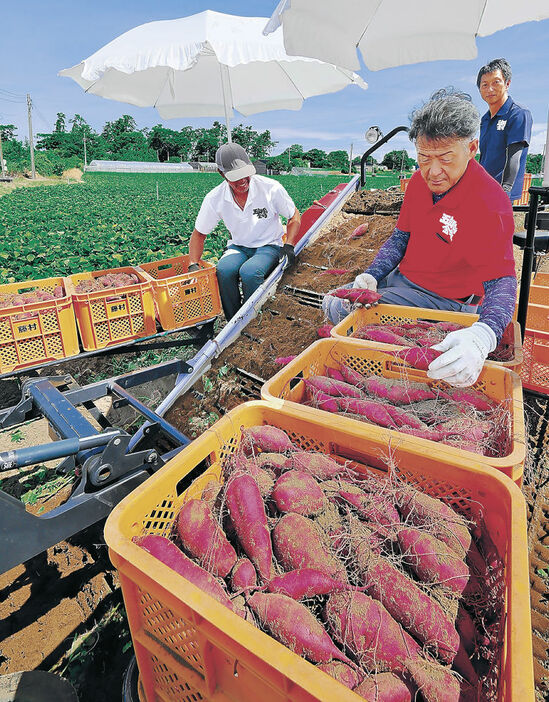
(385, 687)
(368, 409)
(342, 673)
(432, 561)
(297, 491)
(319, 465)
(305, 582)
(166, 551)
(298, 543)
(442, 521)
(437, 684)
(243, 576)
(267, 438)
(294, 625)
(204, 539)
(369, 632)
(329, 386)
(247, 513)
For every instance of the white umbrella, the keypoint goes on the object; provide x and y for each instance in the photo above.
(204, 66)
(395, 32)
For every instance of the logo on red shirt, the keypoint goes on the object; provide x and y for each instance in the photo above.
(449, 225)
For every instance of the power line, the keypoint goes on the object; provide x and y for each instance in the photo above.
(10, 94)
(9, 99)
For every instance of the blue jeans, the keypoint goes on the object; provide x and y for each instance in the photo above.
(396, 289)
(246, 264)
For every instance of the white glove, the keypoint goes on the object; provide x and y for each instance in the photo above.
(465, 353)
(365, 281)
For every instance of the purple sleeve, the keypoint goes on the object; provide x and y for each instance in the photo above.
(389, 255)
(500, 296)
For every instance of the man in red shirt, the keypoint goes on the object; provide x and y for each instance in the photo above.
(453, 243)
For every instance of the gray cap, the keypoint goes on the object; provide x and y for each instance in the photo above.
(233, 161)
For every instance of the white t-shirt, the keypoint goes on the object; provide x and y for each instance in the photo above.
(258, 224)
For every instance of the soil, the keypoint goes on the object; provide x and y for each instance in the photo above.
(63, 610)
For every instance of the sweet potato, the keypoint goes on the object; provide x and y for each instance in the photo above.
(360, 230)
(204, 539)
(324, 331)
(273, 463)
(342, 673)
(297, 491)
(336, 388)
(319, 465)
(370, 410)
(294, 625)
(166, 551)
(267, 438)
(384, 687)
(432, 561)
(472, 397)
(377, 508)
(396, 391)
(335, 271)
(284, 360)
(418, 357)
(436, 683)
(298, 543)
(334, 374)
(320, 400)
(408, 604)
(369, 632)
(305, 582)
(247, 513)
(243, 576)
(383, 336)
(442, 521)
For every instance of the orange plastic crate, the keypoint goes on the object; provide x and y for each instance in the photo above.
(534, 371)
(45, 331)
(500, 384)
(183, 299)
(189, 647)
(541, 279)
(525, 195)
(397, 314)
(114, 315)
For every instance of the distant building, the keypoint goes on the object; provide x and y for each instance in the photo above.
(138, 167)
(261, 166)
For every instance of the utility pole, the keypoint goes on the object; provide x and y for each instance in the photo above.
(2, 158)
(31, 138)
(351, 160)
(85, 154)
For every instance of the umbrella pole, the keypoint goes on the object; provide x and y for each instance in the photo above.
(225, 84)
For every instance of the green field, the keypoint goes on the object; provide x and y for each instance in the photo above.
(112, 220)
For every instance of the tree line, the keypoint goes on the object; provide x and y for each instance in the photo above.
(121, 140)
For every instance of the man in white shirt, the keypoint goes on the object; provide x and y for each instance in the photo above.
(250, 205)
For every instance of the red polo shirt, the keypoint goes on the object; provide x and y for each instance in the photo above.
(461, 242)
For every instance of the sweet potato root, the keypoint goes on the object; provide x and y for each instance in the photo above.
(204, 539)
(294, 625)
(297, 491)
(247, 513)
(297, 543)
(166, 551)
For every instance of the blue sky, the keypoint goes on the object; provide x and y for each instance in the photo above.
(40, 38)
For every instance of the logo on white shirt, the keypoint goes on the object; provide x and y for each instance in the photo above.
(501, 124)
(449, 225)
(261, 212)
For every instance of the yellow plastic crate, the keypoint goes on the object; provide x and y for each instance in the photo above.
(397, 314)
(114, 315)
(38, 332)
(183, 299)
(189, 647)
(499, 384)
